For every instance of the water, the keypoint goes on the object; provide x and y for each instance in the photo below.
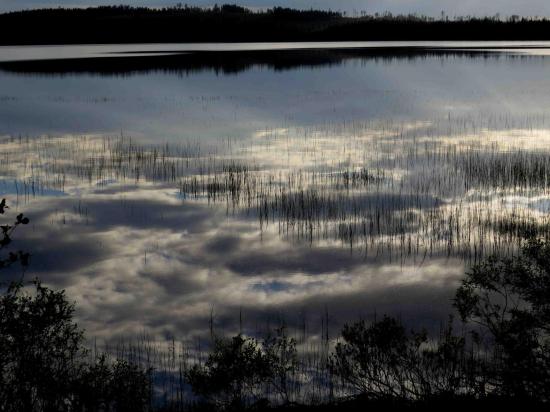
(268, 182)
(22, 53)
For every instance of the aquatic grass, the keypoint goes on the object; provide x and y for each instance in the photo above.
(387, 189)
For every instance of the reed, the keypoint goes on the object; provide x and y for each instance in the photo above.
(460, 187)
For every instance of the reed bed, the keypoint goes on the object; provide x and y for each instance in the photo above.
(391, 190)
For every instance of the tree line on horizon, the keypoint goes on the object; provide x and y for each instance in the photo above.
(233, 23)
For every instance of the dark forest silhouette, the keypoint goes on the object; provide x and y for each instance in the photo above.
(232, 62)
(501, 358)
(231, 23)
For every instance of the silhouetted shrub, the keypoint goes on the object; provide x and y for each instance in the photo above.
(282, 356)
(120, 386)
(238, 369)
(10, 258)
(93, 389)
(509, 297)
(382, 361)
(43, 362)
(44, 365)
(504, 301)
(40, 349)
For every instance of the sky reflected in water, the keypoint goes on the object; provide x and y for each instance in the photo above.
(348, 183)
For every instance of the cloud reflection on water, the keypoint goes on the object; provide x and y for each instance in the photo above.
(136, 255)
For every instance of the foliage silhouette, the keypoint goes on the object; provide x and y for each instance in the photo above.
(383, 361)
(11, 258)
(503, 301)
(238, 369)
(120, 386)
(41, 348)
(282, 356)
(509, 297)
(44, 364)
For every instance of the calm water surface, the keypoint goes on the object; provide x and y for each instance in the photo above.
(293, 184)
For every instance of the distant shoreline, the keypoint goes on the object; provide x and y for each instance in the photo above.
(224, 61)
(229, 24)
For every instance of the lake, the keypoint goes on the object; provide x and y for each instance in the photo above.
(174, 186)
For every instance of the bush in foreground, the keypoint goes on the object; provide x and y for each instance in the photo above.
(503, 359)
